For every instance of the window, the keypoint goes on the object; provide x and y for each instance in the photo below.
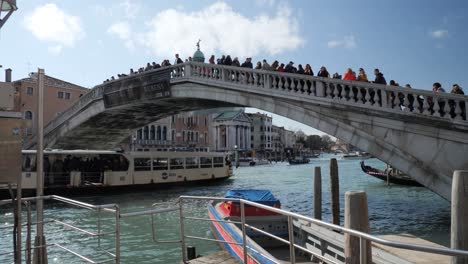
(142, 164)
(28, 115)
(196, 136)
(218, 162)
(30, 90)
(158, 133)
(146, 133)
(152, 133)
(252, 129)
(140, 134)
(164, 133)
(173, 135)
(173, 119)
(177, 163)
(252, 138)
(60, 95)
(160, 164)
(206, 162)
(67, 96)
(191, 163)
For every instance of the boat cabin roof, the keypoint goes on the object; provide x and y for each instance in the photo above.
(258, 196)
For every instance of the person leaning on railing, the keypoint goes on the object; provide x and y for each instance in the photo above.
(456, 89)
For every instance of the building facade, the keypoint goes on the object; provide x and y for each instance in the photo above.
(58, 96)
(185, 131)
(261, 134)
(231, 131)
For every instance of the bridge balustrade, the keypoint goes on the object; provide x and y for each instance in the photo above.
(450, 107)
(370, 95)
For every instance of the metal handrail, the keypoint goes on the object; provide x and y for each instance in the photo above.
(113, 208)
(361, 235)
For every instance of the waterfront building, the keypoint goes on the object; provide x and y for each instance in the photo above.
(261, 134)
(231, 131)
(282, 141)
(11, 127)
(58, 96)
(185, 131)
(340, 146)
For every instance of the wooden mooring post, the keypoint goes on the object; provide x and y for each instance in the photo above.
(357, 218)
(335, 192)
(317, 193)
(459, 225)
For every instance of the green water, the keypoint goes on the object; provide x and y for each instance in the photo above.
(394, 209)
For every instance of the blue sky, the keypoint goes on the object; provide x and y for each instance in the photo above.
(84, 42)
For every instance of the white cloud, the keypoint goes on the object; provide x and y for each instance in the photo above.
(438, 34)
(265, 2)
(131, 9)
(56, 50)
(222, 30)
(347, 42)
(123, 31)
(49, 23)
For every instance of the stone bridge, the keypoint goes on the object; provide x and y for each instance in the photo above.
(422, 133)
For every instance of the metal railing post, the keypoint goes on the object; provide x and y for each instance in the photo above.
(117, 234)
(292, 253)
(244, 235)
(362, 250)
(182, 233)
(28, 234)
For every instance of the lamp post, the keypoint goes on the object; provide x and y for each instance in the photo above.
(8, 6)
(236, 156)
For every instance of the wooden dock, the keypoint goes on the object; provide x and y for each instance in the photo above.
(220, 257)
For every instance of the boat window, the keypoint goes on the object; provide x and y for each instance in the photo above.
(160, 164)
(29, 162)
(218, 162)
(142, 164)
(177, 163)
(205, 162)
(191, 163)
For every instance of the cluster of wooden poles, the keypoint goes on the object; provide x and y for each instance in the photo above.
(356, 215)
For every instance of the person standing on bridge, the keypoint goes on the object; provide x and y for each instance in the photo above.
(308, 70)
(247, 63)
(349, 76)
(266, 66)
(323, 72)
(178, 60)
(362, 76)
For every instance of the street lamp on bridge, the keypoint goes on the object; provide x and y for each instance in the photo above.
(7, 6)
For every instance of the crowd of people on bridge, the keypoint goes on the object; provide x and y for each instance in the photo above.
(290, 67)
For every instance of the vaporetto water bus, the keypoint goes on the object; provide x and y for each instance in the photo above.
(87, 171)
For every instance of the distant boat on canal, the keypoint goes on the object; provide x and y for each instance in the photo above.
(357, 156)
(299, 160)
(390, 174)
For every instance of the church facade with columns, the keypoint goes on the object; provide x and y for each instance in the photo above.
(231, 130)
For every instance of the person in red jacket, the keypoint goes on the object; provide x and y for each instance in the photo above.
(349, 75)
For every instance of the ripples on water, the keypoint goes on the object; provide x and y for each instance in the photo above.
(392, 209)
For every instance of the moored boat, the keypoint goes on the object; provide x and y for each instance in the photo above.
(391, 175)
(225, 219)
(95, 171)
(298, 161)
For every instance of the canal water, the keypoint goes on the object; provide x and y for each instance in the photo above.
(392, 210)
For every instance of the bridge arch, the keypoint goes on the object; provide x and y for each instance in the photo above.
(425, 141)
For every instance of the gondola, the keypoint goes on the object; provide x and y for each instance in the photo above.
(397, 178)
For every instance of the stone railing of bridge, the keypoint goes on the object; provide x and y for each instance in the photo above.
(448, 107)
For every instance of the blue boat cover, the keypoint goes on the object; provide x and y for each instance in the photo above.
(259, 196)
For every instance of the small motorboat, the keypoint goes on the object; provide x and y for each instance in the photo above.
(261, 161)
(246, 162)
(390, 174)
(298, 161)
(226, 215)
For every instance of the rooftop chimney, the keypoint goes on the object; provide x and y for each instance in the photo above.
(8, 75)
